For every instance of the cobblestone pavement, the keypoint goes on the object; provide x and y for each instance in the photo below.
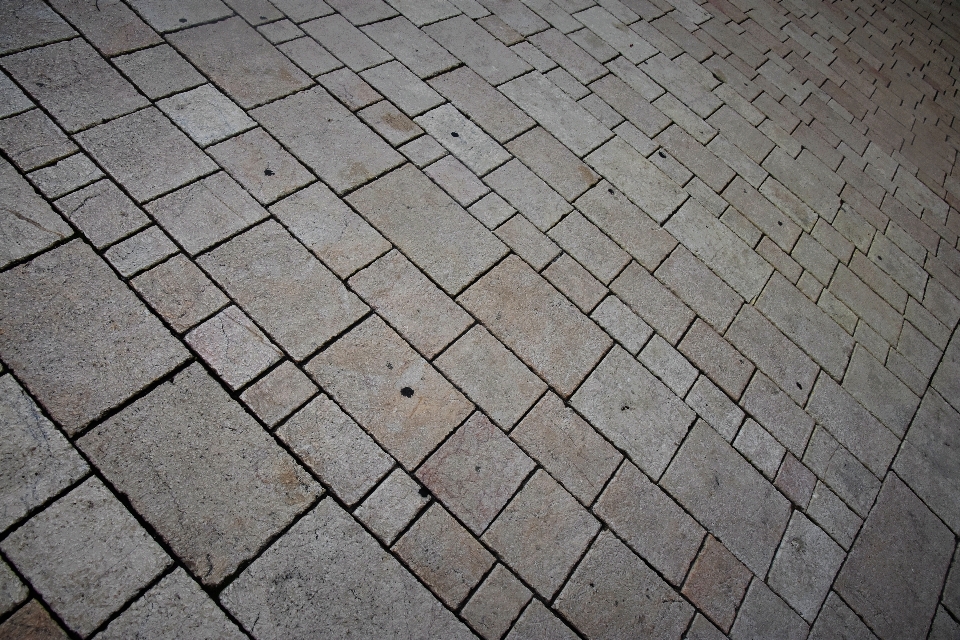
(526, 319)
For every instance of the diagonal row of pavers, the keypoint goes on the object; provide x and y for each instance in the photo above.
(429, 318)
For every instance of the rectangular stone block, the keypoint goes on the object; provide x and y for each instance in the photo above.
(530, 195)
(588, 245)
(486, 106)
(29, 224)
(256, 161)
(411, 46)
(709, 296)
(653, 302)
(166, 15)
(391, 506)
(778, 414)
(477, 49)
(553, 162)
(463, 139)
(713, 355)
(638, 178)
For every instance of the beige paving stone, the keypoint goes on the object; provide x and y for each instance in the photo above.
(457, 180)
(309, 56)
(715, 357)
(444, 554)
(140, 252)
(813, 257)
(527, 241)
(32, 140)
(553, 162)
(316, 129)
(496, 603)
(175, 606)
(158, 71)
(293, 297)
(622, 324)
(317, 560)
(257, 162)
(423, 151)
(481, 102)
(405, 89)
(653, 302)
(626, 224)
(638, 178)
(29, 224)
(491, 376)
(581, 239)
(146, 154)
(179, 292)
(349, 88)
(669, 365)
(699, 288)
(205, 114)
(778, 414)
(542, 533)
(390, 390)
(390, 122)
(477, 49)
(575, 282)
(336, 449)
(717, 583)
(463, 139)
(760, 448)
(842, 471)
(62, 552)
(905, 548)
(51, 322)
(531, 196)
(392, 505)
(563, 352)
(233, 347)
(277, 394)
(765, 615)
(203, 213)
(346, 42)
(410, 45)
(76, 86)
(475, 472)
(613, 592)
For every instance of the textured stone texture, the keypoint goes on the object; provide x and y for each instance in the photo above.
(179, 292)
(233, 346)
(392, 505)
(717, 583)
(274, 396)
(29, 224)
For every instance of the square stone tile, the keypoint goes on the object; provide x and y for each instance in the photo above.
(51, 333)
(545, 330)
(728, 496)
(390, 390)
(169, 15)
(176, 605)
(413, 305)
(444, 554)
(317, 561)
(614, 594)
(277, 394)
(38, 460)
(893, 574)
(140, 252)
(203, 213)
(296, 300)
(436, 233)
(205, 114)
(765, 615)
(233, 347)
(159, 71)
(716, 583)
(28, 23)
(146, 154)
(330, 229)
(179, 292)
(257, 162)
(231, 52)
(29, 224)
(327, 138)
(542, 533)
(635, 410)
(475, 472)
(76, 86)
(538, 622)
(491, 210)
(496, 604)
(335, 448)
(61, 552)
(390, 122)
(491, 376)
(32, 140)
(206, 476)
(391, 506)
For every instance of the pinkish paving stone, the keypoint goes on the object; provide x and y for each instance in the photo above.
(716, 583)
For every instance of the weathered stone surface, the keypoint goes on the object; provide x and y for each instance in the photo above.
(29, 224)
(880, 391)
(760, 448)
(317, 561)
(32, 139)
(141, 251)
(64, 552)
(285, 289)
(764, 615)
(65, 176)
(838, 622)
(28, 23)
(538, 622)
(12, 591)
(553, 162)
(410, 45)
(653, 302)
(233, 347)
(392, 505)
(486, 106)
(159, 71)
(842, 471)
(542, 328)
(669, 365)
(390, 390)
(717, 583)
(893, 575)
(205, 114)
(948, 373)
(527, 241)
(390, 122)
(589, 246)
(168, 15)
(279, 393)
(613, 593)
(723, 364)
(51, 333)
(402, 87)
(622, 324)
(575, 282)
(463, 139)
(457, 180)
(771, 407)
(496, 604)
(257, 162)
(709, 296)
(346, 42)
(532, 197)
(478, 49)
(179, 292)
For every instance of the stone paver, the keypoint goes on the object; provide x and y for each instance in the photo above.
(29, 223)
(717, 583)
(496, 604)
(257, 162)
(179, 292)
(277, 394)
(392, 505)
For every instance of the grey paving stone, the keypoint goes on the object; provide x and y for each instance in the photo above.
(390, 122)
(475, 472)
(349, 88)
(538, 622)
(12, 99)
(74, 84)
(563, 350)
(477, 48)
(713, 405)
(336, 449)
(638, 178)
(653, 302)
(773, 409)
(309, 56)
(833, 515)
(111, 26)
(52, 318)
(944, 627)
(862, 300)
(492, 210)
(423, 151)
(669, 365)
(795, 481)
(570, 123)
(880, 392)
(405, 89)
(627, 42)
(613, 592)
(421, 12)
(175, 606)
(491, 376)
(631, 104)
(32, 140)
(28, 23)
(905, 548)
(699, 288)
(233, 347)
(486, 106)
(257, 162)
(463, 139)
(622, 324)
(841, 470)
(553, 162)
(169, 15)
(39, 462)
(179, 292)
(715, 357)
(205, 114)
(496, 603)
(65, 176)
(717, 582)
(628, 405)
(411, 46)
(566, 52)
(317, 560)
(371, 372)
(429, 227)
(277, 394)
(765, 615)
(346, 42)
(321, 139)
(302, 10)
(838, 622)
(32, 621)
(61, 552)
(581, 239)
(542, 533)
(29, 224)
(146, 154)
(158, 71)
(191, 498)
(391, 506)
(12, 591)
(728, 496)
(948, 372)
(805, 566)
(806, 324)
(457, 180)
(286, 290)
(280, 31)
(228, 51)
(626, 224)
(951, 591)
(531, 196)
(330, 229)
(809, 178)
(140, 252)
(760, 448)
(575, 282)
(702, 629)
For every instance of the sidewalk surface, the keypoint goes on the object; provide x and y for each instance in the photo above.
(527, 319)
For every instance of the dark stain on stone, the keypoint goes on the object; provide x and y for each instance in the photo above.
(183, 19)
(406, 392)
(661, 154)
(268, 172)
(423, 492)
(455, 134)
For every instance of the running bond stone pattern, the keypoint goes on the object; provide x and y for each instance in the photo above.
(498, 318)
